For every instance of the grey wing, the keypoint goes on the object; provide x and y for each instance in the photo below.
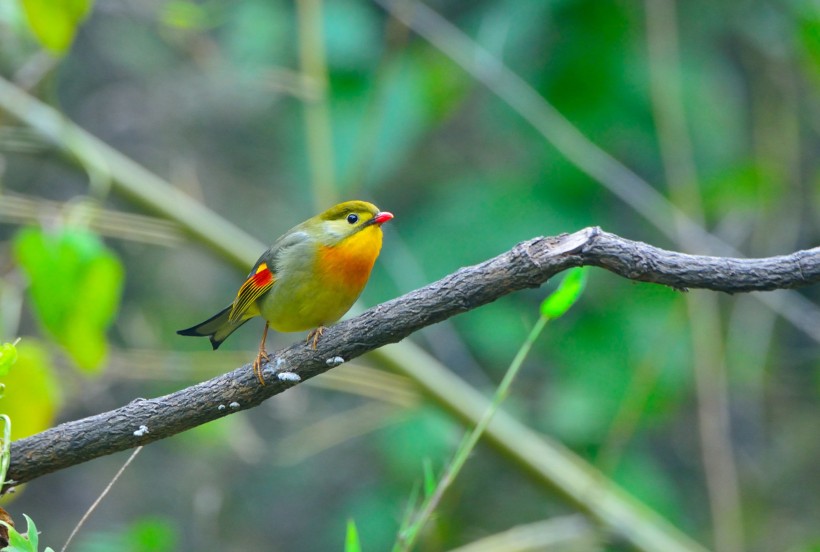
(288, 244)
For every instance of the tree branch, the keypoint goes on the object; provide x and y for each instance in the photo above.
(529, 264)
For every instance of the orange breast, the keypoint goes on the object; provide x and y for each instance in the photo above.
(348, 263)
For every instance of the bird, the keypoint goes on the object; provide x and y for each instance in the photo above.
(308, 279)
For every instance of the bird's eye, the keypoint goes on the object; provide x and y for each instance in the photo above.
(352, 218)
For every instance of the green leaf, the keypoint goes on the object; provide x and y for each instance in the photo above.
(152, 534)
(55, 22)
(75, 288)
(568, 292)
(17, 542)
(31, 531)
(352, 543)
(21, 543)
(95, 304)
(32, 396)
(8, 356)
(149, 534)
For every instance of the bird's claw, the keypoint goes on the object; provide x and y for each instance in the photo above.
(315, 335)
(257, 365)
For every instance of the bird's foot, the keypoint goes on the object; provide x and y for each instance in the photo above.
(315, 335)
(257, 365)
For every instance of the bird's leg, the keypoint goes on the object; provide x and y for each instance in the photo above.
(263, 355)
(315, 335)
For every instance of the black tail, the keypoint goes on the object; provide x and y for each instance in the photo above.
(217, 328)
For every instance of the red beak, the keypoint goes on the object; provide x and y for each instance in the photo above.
(382, 217)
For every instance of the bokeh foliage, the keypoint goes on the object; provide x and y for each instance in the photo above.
(209, 95)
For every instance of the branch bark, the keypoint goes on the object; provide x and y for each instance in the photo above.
(528, 264)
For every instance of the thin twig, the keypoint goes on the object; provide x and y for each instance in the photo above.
(131, 178)
(24, 209)
(96, 503)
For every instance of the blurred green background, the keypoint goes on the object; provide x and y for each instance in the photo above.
(706, 407)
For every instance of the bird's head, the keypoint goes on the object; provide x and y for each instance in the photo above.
(349, 218)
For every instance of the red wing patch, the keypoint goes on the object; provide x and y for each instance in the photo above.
(253, 288)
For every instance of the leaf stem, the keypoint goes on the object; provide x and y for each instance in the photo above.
(408, 537)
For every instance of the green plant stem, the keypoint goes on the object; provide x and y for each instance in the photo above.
(318, 134)
(547, 462)
(707, 342)
(5, 452)
(408, 538)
